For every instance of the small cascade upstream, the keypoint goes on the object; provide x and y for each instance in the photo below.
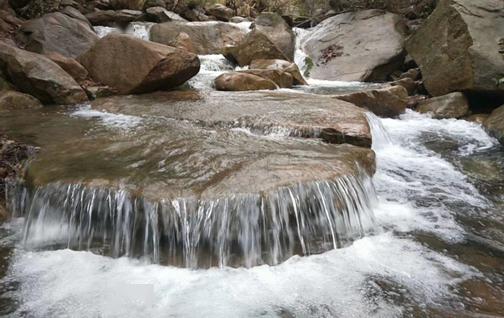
(244, 230)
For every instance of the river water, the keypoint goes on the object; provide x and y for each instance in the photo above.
(436, 248)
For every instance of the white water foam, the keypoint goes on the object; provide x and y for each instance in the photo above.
(336, 284)
(139, 30)
(419, 189)
(108, 119)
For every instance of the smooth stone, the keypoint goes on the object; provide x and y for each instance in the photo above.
(495, 124)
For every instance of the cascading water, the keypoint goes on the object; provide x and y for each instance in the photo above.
(243, 230)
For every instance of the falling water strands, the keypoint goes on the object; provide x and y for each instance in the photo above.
(239, 230)
(381, 137)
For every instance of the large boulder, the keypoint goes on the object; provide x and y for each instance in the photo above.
(254, 46)
(495, 124)
(283, 65)
(356, 46)
(37, 75)
(9, 23)
(205, 37)
(385, 102)
(241, 81)
(131, 65)
(454, 105)
(461, 47)
(57, 32)
(278, 31)
(161, 15)
(10, 99)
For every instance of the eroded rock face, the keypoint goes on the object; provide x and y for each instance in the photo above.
(385, 102)
(356, 46)
(454, 105)
(205, 38)
(134, 66)
(39, 76)
(255, 45)
(461, 47)
(278, 31)
(282, 65)
(57, 32)
(240, 81)
(495, 124)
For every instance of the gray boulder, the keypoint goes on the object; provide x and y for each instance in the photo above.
(356, 46)
(57, 32)
(461, 47)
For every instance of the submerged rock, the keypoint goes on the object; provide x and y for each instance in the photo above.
(454, 105)
(283, 65)
(241, 81)
(495, 124)
(461, 47)
(56, 32)
(37, 75)
(204, 38)
(384, 102)
(135, 66)
(255, 45)
(295, 114)
(356, 46)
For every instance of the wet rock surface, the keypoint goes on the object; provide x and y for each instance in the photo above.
(454, 105)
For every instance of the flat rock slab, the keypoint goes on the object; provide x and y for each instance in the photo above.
(296, 114)
(161, 158)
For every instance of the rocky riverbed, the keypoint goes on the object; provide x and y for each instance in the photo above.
(191, 159)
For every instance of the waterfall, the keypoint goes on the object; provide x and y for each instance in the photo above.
(381, 137)
(139, 30)
(241, 230)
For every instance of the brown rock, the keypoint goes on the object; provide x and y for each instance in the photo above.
(461, 47)
(160, 15)
(112, 17)
(221, 12)
(282, 65)
(385, 102)
(254, 46)
(477, 118)
(128, 4)
(15, 100)
(239, 81)
(410, 85)
(495, 124)
(280, 78)
(454, 105)
(69, 65)
(39, 76)
(205, 38)
(140, 66)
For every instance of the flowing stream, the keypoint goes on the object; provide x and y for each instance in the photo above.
(423, 238)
